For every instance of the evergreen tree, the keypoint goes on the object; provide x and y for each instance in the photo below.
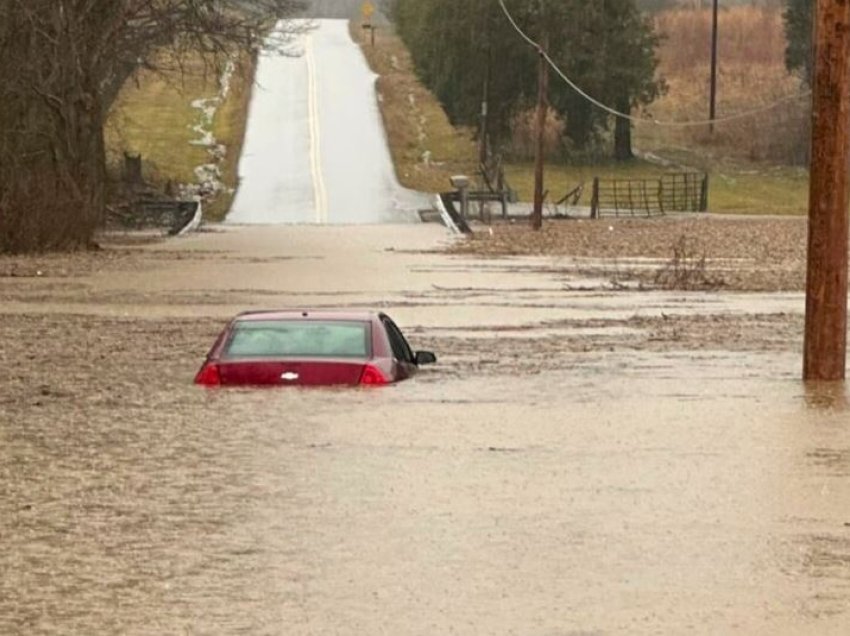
(606, 47)
(631, 63)
(798, 18)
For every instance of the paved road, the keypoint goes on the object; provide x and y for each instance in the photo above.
(315, 149)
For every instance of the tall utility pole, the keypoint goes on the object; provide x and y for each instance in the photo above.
(712, 105)
(825, 345)
(484, 131)
(542, 111)
(483, 147)
(482, 134)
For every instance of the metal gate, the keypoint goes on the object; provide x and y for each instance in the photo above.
(672, 192)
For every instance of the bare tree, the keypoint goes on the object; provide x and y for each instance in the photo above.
(62, 65)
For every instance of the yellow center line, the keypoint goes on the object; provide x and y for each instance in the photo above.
(320, 196)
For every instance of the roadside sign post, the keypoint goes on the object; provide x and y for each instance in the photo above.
(368, 10)
(825, 343)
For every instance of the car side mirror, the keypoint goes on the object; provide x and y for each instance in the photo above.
(425, 357)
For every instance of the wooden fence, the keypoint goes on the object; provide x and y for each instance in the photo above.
(674, 192)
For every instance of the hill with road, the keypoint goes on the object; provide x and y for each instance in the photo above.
(341, 10)
(315, 149)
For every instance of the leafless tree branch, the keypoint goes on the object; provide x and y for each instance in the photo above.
(62, 65)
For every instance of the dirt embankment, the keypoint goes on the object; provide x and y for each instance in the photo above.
(706, 252)
(711, 252)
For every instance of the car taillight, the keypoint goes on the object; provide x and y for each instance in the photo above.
(209, 375)
(372, 376)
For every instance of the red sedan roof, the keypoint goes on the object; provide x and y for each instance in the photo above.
(308, 314)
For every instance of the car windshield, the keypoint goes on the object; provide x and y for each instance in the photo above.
(299, 339)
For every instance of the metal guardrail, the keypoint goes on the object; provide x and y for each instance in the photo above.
(455, 221)
(171, 215)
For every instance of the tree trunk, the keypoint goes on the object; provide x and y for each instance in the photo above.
(579, 124)
(52, 153)
(623, 133)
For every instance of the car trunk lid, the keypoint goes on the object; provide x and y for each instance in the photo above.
(282, 373)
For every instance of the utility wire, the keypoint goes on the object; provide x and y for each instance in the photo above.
(632, 118)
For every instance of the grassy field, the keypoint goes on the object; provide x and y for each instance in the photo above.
(742, 181)
(780, 191)
(783, 191)
(154, 117)
(229, 128)
(751, 75)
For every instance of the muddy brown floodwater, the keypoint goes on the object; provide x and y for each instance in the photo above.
(583, 460)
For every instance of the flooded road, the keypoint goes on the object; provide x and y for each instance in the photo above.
(582, 460)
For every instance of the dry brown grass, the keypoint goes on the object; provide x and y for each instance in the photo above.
(745, 254)
(751, 74)
(524, 135)
(746, 35)
(425, 147)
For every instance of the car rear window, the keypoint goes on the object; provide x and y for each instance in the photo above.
(299, 339)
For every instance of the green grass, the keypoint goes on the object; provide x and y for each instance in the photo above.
(737, 190)
(782, 191)
(560, 179)
(154, 117)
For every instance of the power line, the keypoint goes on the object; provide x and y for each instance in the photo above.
(632, 118)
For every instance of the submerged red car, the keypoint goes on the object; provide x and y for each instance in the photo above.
(310, 348)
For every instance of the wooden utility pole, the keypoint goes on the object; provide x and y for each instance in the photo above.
(825, 346)
(712, 105)
(542, 111)
(483, 146)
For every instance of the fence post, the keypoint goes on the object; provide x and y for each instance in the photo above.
(133, 170)
(703, 204)
(594, 199)
(461, 183)
(661, 196)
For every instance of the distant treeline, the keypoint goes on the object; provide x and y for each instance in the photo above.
(662, 5)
